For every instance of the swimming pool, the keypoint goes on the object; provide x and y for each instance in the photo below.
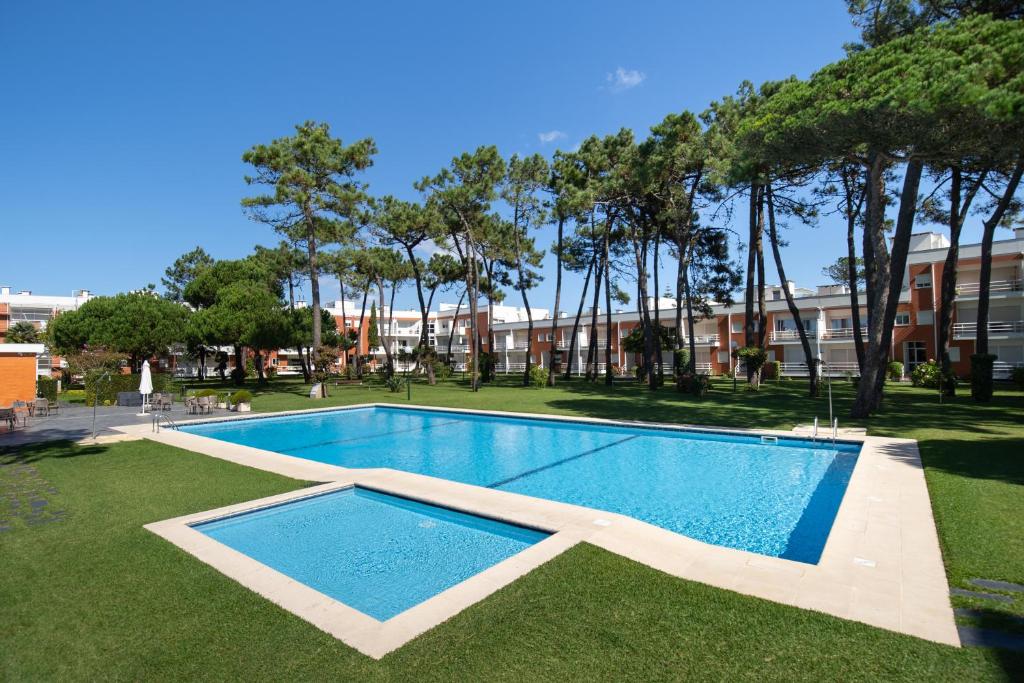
(777, 499)
(378, 553)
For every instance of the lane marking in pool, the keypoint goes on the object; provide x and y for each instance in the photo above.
(535, 470)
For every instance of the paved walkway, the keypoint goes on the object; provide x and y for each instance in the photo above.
(75, 422)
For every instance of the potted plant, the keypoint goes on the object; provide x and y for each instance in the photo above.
(241, 401)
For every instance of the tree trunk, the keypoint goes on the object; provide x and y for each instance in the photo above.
(690, 323)
(558, 302)
(359, 332)
(591, 374)
(640, 254)
(809, 357)
(576, 322)
(657, 309)
(390, 366)
(609, 376)
(887, 281)
(314, 293)
(451, 335)
(258, 364)
(239, 375)
(851, 275)
(748, 294)
(979, 392)
(529, 331)
(424, 307)
(762, 316)
(949, 277)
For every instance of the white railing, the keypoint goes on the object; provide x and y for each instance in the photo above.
(841, 333)
(1001, 327)
(788, 335)
(712, 339)
(833, 369)
(1001, 370)
(973, 288)
(509, 367)
(703, 368)
(515, 346)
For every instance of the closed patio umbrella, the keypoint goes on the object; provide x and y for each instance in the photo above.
(145, 386)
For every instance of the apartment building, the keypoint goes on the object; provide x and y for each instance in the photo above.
(39, 310)
(827, 317)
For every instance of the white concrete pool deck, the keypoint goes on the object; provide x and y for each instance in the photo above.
(881, 564)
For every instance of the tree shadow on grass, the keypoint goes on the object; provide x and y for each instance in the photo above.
(30, 453)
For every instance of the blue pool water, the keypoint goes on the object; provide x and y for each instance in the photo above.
(730, 490)
(378, 553)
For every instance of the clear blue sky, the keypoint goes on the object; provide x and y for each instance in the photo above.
(122, 124)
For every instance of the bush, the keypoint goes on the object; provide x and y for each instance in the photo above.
(74, 396)
(46, 387)
(442, 371)
(241, 396)
(682, 359)
(107, 388)
(929, 374)
(538, 376)
(894, 370)
(1018, 376)
(203, 393)
(774, 370)
(394, 383)
(698, 385)
(755, 357)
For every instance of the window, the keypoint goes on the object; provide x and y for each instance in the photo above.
(737, 326)
(954, 354)
(923, 281)
(925, 317)
(902, 319)
(915, 353)
(776, 295)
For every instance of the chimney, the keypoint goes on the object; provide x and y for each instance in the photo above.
(1018, 233)
(5, 291)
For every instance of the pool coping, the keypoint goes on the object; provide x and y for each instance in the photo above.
(881, 564)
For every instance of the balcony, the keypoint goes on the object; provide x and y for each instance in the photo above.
(971, 289)
(784, 336)
(826, 369)
(703, 339)
(514, 346)
(1002, 328)
(840, 333)
(1001, 370)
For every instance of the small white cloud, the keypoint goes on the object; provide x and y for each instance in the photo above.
(430, 247)
(550, 136)
(624, 79)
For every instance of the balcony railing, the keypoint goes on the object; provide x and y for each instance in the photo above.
(514, 346)
(973, 288)
(837, 369)
(712, 339)
(789, 335)
(1001, 370)
(998, 328)
(840, 333)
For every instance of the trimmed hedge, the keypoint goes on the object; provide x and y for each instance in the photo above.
(108, 388)
(981, 376)
(46, 387)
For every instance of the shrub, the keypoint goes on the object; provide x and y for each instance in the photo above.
(46, 387)
(894, 370)
(203, 393)
(241, 396)
(755, 357)
(928, 375)
(74, 396)
(1018, 376)
(107, 388)
(394, 383)
(538, 376)
(487, 365)
(774, 370)
(698, 385)
(270, 372)
(442, 371)
(682, 359)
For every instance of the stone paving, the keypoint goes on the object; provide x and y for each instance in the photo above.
(26, 497)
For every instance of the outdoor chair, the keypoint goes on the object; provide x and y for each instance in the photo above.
(40, 407)
(21, 414)
(205, 404)
(191, 405)
(162, 401)
(7, 416)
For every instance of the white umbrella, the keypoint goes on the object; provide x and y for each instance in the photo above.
(145, 386)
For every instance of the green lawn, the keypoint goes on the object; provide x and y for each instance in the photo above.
(86, 593)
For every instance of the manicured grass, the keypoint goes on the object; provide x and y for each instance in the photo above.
(91, 595)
